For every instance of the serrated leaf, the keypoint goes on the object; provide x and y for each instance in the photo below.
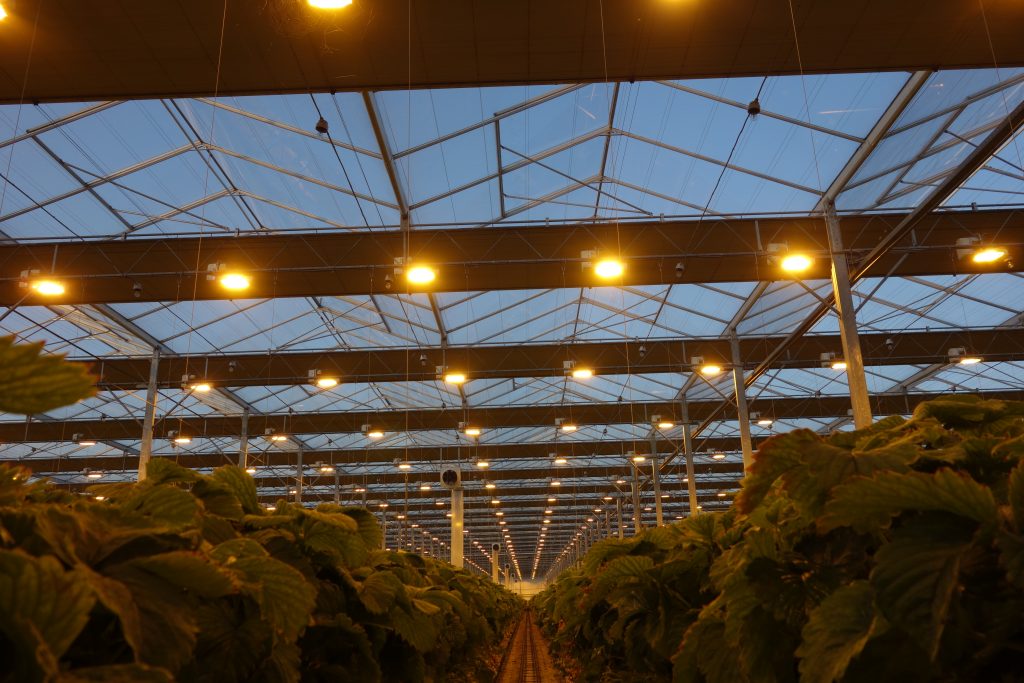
(869, 503)
(379, 591)
(164, 505)
(916, 574)
(33, 383)
(836, 631)
(415, 628)
(41, 606)
(369, 529)
(159, 628)
(241, 484)
(188, 570)
(285, 598)
(166, 471)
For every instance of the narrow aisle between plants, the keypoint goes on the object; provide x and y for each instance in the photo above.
(527, 660)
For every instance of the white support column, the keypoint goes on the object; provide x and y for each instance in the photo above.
(607, 524)
(146, 449)
(638, 525)
(457, 526)
(855, 377)
(691, 480)
(656, 481)
(337, 486)
(243, 441)
(746, 443)
(495, 561)
(298, 476)
(618, 511)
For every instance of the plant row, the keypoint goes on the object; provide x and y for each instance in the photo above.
(187, 577)
(893, 553)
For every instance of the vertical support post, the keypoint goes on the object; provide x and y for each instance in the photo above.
(656, 480)
(638, 525)
(146, 449)
(457, 525)
(746, 443)
(298, 476)
(495, 561)
(618, 511)
(384, 529)
(337, 486)
(691, 480)
(607, 524)
(855, 377)
(243, 441)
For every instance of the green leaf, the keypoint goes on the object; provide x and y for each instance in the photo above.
(187, 570)
(379, 591)
(158, 626)
(242, 485)
(836, 631)
(869, 503)
(415, 628)
(164, 505)
(41, 606)
(369, 529)
(32, 383)
(1011, 555)
(916, 575)
(166, 471)
(285, 598)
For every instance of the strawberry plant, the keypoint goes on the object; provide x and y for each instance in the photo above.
(186, 577)
(890, 553)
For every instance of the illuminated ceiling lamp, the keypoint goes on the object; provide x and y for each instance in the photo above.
(960, 356)
(659, 422)
(321, 381)
(3, 13)
(761, 421)
(371, 432)
(30, 279)
(705, 368)
(271, 435)
(788, 261)
(229, 279)
(976, 251)
(830, 359)
(603, 266)
(565, 425)
(469, 430)
(82, 441)
(570, 369)
(179, 438)
(329, 4)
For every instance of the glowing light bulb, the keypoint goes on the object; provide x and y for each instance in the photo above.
(201, 388)
(482, 464)
(970, 360)
(85, 443)
(404, 466)
(561, 461)
(234, 282)
(839, 365)
(183, 439)
(718, 456)
(582, 373)
(329, 4)
(472, 431)
(638, 458)
(666, 425)
(48, 287)
(796, 263)
(326, 382)
(94, 475)
(250, 470)
(374, 434)
(454, 378)
(765, 422)
(278, 438)
(609, 268)
(569, 428)
(420, 275)
(710, 370)
(989, 255)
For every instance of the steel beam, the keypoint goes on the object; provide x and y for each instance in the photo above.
(479, 259)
